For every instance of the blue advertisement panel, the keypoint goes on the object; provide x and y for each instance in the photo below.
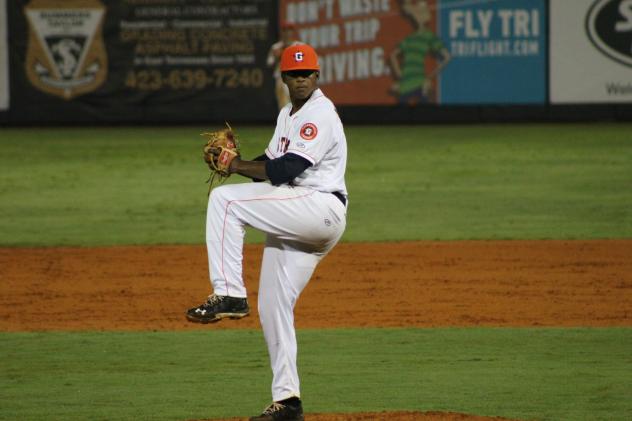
(497, 52)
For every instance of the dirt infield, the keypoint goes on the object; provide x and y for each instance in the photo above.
(410, 284)
(479, 283)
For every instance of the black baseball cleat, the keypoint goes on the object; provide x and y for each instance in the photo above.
(282, 411)
(218, 307)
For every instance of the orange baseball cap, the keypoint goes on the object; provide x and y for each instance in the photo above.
(299, 57)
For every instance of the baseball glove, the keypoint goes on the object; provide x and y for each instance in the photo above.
(222, 146)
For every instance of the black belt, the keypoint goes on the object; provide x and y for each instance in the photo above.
(340, 197)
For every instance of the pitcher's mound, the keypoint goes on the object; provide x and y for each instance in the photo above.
(392, 416)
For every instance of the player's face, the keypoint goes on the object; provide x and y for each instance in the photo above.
(301, 83)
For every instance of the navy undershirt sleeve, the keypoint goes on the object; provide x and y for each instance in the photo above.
(286, 168)
(263, 157)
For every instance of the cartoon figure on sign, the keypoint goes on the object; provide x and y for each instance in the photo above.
(413, 84)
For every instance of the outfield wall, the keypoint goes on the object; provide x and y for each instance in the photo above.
(4, 59)
(166, 61)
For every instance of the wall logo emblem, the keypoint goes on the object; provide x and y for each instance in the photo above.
(66, 54)
(609, 27)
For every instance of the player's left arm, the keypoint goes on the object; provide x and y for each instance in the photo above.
(279, 171)
(260, 158)
(310, 141)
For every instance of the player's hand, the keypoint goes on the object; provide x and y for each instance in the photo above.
(220, 150)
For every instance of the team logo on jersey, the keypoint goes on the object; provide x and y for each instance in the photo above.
(309, 131)
(66, 53)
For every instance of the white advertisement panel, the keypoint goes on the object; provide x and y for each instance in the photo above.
(4, 58)
(590, 51)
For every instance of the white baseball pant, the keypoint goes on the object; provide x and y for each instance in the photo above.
(302, 226)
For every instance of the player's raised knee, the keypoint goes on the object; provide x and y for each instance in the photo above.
(220, 194)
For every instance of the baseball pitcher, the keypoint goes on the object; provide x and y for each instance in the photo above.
(301, 207)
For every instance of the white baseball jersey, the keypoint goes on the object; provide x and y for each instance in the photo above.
(315, 133)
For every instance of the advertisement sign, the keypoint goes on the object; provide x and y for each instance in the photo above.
(591, 51)
(4, 58)
(143, 59)
(425, 51)
(355, 42)
(497, 50)
(65, 54)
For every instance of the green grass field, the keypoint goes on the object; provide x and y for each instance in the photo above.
(98, 186)
(112, 186)
(572, 374)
